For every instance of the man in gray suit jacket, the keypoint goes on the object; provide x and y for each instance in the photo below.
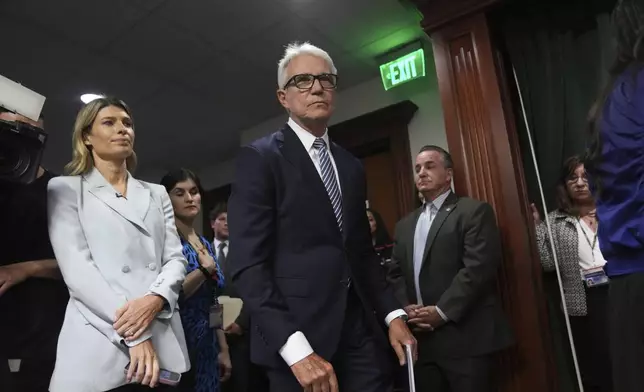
(445, 259)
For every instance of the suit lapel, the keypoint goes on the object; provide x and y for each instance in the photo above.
(293, 151)
(139, 196)
(134, 208)
(447, 208)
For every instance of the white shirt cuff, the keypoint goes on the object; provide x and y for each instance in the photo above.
(295, 349)
(394, 315)
(440, 313)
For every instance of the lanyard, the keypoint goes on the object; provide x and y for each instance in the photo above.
(594, 242)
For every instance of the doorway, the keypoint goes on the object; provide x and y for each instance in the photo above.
(381, 196)
(380, 139)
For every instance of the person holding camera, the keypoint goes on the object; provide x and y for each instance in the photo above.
(32, 295)
(118, 249)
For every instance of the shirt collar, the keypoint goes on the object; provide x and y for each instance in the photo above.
(305, 136)
(439, 201)
(216, 242)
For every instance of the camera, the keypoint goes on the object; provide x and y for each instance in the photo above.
(21, 144)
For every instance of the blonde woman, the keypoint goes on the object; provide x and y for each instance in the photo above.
(117, 246)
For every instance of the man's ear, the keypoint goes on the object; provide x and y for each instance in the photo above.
(281, 97)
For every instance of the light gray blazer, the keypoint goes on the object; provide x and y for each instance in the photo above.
(566, 241)
(110, 250)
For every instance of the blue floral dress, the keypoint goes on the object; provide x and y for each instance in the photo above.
(200, 338)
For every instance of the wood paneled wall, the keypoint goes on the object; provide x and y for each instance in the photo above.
(481, 135)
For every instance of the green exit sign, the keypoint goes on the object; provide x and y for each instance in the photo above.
(404, 69)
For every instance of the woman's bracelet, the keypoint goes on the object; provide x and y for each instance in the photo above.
(205, 272)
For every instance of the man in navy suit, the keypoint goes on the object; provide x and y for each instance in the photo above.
(301, 255)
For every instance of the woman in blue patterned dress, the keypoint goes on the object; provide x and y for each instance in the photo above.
(207, 346)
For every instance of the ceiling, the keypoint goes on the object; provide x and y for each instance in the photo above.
(194, 72)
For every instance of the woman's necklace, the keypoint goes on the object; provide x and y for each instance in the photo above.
(197, 246)
(591, 220)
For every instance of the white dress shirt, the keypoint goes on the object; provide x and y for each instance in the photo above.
(590, 256)
(297, 347)
(424, 224)
(216, 243)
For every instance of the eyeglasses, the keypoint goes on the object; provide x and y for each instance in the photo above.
(306, 81)
(573, 179)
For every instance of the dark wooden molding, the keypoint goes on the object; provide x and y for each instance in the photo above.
(481, 136)
(383, 129)
(372, 126)
(438, 13)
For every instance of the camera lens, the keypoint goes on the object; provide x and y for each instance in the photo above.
(14, 157)
(21, 147)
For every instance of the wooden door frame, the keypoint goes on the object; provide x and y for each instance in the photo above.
(482, 138)
(384, 129)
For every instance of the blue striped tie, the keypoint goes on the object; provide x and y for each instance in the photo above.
(329, 179)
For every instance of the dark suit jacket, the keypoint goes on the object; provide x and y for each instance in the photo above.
(289, 261)
(461, 259)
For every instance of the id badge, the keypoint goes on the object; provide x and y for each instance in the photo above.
(594, 277)
(216, 316)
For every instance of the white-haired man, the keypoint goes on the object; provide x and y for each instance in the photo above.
(302, 258)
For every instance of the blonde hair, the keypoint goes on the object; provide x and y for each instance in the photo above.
(82, 160)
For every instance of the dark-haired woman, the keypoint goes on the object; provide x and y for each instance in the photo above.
(616, 167)
(574, 235)
(206, 343)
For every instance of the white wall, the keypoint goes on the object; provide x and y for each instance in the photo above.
(427, 126)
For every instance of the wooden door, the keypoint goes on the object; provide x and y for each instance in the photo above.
(380, 139)
(381, 192)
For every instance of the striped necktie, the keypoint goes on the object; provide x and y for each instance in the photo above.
(221, 257)
(329, 179)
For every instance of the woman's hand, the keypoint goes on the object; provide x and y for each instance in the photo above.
(536, 217)
(144, 365)
(207, 261)
(225, 365)
(234, 329)
(134, 318)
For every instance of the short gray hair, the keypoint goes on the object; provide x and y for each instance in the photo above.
(295, 49)
(448, 162)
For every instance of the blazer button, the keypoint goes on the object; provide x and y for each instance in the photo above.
(152, 267)
(125, 269)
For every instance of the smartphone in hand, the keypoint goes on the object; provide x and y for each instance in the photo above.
(166, 377)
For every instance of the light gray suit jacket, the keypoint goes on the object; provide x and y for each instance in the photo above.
(110, 250)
